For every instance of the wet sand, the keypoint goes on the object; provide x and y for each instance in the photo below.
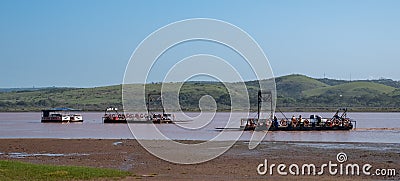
(239, 163)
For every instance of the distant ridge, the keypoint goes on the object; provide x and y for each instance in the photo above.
(295, 93)
(31, 89)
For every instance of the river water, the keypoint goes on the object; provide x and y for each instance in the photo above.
(371, 128)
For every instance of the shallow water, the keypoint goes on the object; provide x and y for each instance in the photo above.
(24, 155)
(371, 128)
(383, 147)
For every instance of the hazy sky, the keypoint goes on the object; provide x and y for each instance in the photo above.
(88, 43)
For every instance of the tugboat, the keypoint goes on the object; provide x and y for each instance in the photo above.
(59, 115)
(314, 122)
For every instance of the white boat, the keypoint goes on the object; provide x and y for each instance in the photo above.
(61, 115)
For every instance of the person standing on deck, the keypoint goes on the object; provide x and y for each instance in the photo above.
(294, 121)
(276, 124)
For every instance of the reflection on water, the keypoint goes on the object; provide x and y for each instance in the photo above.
(371, 127)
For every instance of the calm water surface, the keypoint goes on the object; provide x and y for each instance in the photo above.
(371, 128)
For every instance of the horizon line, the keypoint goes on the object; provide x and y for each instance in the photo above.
(205, 81)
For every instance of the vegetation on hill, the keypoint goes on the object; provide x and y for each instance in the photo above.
(388, 82)
(351, 89)
(294, 93)
(371, 95)
(294, 85)
(80, 98)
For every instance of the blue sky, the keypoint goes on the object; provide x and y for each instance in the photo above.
(88, 43)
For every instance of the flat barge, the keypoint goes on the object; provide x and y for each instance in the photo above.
(339, 121)
(111, 115)
(314, 122)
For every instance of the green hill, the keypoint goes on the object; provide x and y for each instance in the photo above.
(350, 89)
(388, 82)
(81, 98)
(294, 85)
(294, 93)
(357, 95)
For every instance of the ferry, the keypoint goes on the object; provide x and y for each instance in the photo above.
(339, 121)
(153, 115)
(111, 115)
(314, 122)
(59, 115)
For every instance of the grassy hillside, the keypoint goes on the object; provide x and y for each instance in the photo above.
(359, 94)
(294, 85)
(81, 98)
(350, 89)
(388, 82)
(294, 92)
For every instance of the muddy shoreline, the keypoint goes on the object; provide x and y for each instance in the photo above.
(238, 163)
